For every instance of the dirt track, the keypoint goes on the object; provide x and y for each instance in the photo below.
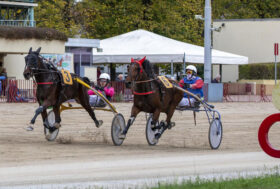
(85, 143)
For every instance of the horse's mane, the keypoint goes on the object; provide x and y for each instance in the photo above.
(148, 68)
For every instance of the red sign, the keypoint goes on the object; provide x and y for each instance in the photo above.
(276, 49)
(263, 135)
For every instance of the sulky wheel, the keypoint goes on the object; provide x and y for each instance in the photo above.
(215, 133)
(118, 125)
(150, 133)
(51, 132)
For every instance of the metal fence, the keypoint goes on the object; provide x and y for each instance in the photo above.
(13, 90)
(21, 23)
(17, 91)
(247, 92)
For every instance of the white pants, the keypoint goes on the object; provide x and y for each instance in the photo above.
(94, 100)
(186, 102)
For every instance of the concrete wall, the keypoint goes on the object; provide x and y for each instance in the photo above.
(91, 73)
(13, 52)
(23, 46)
(254, 38)
(14, 65)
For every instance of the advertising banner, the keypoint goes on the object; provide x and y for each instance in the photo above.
(61, 61)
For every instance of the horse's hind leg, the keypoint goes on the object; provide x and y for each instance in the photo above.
(170, 113)
(87, 107)
(44, 117)
(155, 118)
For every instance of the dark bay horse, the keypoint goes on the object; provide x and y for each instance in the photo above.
(150, 95)
(51, 91)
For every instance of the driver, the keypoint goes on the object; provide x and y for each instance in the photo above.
(104, 88)
(192, 83)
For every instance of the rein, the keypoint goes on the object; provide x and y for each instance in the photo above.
(145, 81)
(140, 82)
(140, 72)
(45, 71)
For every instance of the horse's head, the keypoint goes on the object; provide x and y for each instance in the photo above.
(31, 63)
(135, 70)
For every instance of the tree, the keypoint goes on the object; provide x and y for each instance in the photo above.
(57, 14)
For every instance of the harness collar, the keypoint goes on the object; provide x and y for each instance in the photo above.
(45, 83)
(146, 93)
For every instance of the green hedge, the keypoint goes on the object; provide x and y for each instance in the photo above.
(12, 33)
(258, 71)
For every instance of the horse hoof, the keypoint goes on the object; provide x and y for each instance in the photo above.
(57, 125)
(29, 128)
(99, 123)
(157, 136)
(155, 140)
(122, 136)
(172, 124)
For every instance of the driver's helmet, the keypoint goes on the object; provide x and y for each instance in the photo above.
(105, 76)
(191, 69)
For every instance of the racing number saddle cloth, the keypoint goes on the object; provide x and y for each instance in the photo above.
(165, 81)
(67, 78)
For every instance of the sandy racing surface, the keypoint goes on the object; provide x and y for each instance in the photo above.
(83, 153)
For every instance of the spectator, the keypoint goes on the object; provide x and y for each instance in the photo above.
(217, 79)
(98, 72)
(120, 77)
(3, 76)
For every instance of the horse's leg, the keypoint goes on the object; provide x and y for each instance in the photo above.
(57, 116)
(155, 118)
(169, 113)
(85, 103)
(44, 117)
(38, 111)
(134, 112)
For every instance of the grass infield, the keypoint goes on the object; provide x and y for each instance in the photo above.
(261, 182)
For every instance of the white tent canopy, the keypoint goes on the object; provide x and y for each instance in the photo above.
(158, 49)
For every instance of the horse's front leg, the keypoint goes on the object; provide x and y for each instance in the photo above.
(42, 108)
(134, 112)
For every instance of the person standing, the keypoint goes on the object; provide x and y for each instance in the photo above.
(3, 76)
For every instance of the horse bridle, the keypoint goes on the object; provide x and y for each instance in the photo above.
(39, 70)
(134, 82)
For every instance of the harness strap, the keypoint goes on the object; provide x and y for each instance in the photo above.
(145, 81)
(146, 93)
(45, 83)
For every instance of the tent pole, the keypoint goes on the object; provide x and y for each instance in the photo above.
(172, 73)
(184, 64)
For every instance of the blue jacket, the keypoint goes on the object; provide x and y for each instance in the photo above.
(198, 91)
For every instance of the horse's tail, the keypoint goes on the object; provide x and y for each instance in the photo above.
(86, 80)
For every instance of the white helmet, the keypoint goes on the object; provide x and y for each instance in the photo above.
(105, 76)
(191, 67)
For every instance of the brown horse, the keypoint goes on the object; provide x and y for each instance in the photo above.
(51, 91)
(150, 95)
